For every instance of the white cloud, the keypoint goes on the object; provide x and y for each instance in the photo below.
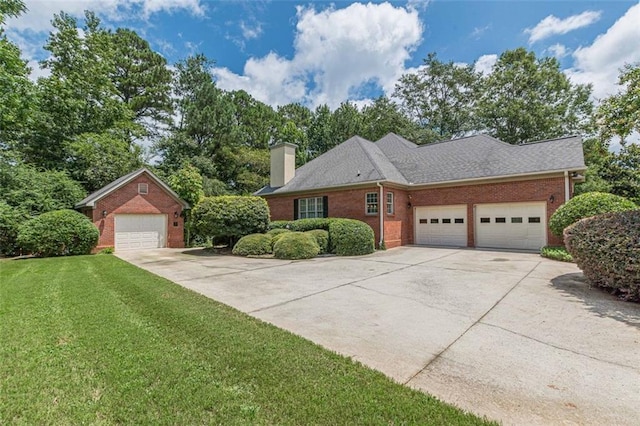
(551, 25)
(335, 51)
(479, 31)
(600, 63)
(484, 64)
(250, 31)
(558, 50)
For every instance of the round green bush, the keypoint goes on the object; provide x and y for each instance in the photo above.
(322, 238)
(304, 225)
(58, 233)
(253, 245)
(607, 249)
(296, 245)
(277, 231)
(350, 237)
(587, 205)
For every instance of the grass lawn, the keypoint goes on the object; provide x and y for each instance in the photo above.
(92, 339)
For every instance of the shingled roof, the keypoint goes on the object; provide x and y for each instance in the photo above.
(394, 159)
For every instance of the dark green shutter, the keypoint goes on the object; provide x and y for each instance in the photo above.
(295, 209)
(325, 206)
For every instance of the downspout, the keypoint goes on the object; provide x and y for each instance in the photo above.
(381, 213)
(567, 194)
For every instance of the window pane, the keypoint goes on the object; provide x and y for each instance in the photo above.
(459, 220)
(485, 220)
(516, 220)
(501, 220)
(446, 220)
(534, 220)
(434, 221)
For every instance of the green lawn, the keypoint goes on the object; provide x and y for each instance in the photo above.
(92, 339)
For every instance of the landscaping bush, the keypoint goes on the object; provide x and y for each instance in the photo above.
(350, 237)
(279, 224)
(296, 245)
(587, 205)
(322, 238)
(230, 217)
(58, 233)
(277, 231)
(253, 245)
(556, 253)
(607, 249)
(275, 238)
(304, 225)
(10, 221)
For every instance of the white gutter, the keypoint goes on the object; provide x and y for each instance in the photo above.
(381, 205)
(567, 195)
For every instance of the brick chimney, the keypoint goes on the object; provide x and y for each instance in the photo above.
(283, 164)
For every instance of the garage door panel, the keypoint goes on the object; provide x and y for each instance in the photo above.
(140, 231)
(511, 225)
(441, 225)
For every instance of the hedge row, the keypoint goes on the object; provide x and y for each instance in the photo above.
(306, 238)
(607, 249)
(587, 205)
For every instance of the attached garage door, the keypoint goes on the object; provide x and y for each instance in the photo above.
(511, 225)
(140, 231)
(441, 225)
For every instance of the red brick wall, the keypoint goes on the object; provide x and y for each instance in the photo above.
(126, 200)
(398, 228)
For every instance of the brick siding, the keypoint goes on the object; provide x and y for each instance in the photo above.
(398, 228)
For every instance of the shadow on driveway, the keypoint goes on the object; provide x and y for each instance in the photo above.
(597, 300)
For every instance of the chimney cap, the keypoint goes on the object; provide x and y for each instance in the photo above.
(279, 144)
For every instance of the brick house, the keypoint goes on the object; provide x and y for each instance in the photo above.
(136, 211)
(469, 192)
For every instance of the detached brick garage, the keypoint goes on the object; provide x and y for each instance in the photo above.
(468, 192)
(136, 211)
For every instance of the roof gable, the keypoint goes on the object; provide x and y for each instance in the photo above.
(94, 197)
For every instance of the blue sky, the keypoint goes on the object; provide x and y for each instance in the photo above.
(321, 52)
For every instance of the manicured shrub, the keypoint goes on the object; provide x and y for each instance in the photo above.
(607, 249)
(587, 205)
(58, 233)
(10, 221)
(556, 253)
(304, 225)
(322, 238)
(277, 231)
(296, 245)
(350, 237)
(253, 245)
(275, 238)
(230, 217)
(279, 224)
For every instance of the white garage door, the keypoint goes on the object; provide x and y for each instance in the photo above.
(139, 231)
(441, 225)
(511, 225)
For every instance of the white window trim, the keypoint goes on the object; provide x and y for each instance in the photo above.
(318, 203)
(390, 203)
(367, 203)
(140, 188)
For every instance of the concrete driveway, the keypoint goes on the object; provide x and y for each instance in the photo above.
(512, 336)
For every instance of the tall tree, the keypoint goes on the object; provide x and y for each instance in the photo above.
(320, 135)
(384, 116)
(295, 121)
(346, 122)
(440, 97)
(204, 132)
(142, 80)
(16, 90)
(619, 115)
(525, 99)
